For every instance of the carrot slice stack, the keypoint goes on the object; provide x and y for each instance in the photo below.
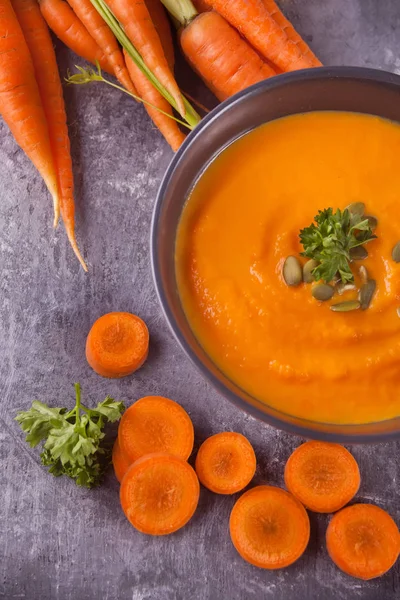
(324, 477)
(117, 344)
(155, 424)
(363, 541)
(159, 494)
(226, 463)
(269, 527)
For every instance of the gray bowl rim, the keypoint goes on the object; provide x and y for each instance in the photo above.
(338, 72)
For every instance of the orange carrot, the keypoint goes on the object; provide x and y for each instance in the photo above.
(363, 541)
(222, 58)
(134, 17)
(252, 19)
(68, 28)
(290, 31)
(120, 463)
(269, 527)
(163, 27)
(104, 38)
(40, 45)
(159, 494)
(226, 463)
(324, 477)
(20, 103)
(167, 126)
(155, 424)
(117, 344)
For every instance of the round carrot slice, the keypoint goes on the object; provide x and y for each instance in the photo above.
(363, 541)
(269, 527)
(159, 494)
(117, 344)
(324, 477)
(120, 463)
(226, 463)
(155, 424)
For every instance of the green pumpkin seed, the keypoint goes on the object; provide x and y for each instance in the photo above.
(310, 265)
(346, 306)
(341, 288)
(322, 292)
(366, 294)
(292, 271)
(359, 253)
(363, 274)
(356, 208)
(372, 221)
(396, 253)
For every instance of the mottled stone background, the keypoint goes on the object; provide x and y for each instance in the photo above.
(59, 542)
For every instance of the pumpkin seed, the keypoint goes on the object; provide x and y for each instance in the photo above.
(341, 288)
(359, 253)
(398, 312)
(346, 306)
(310, 265)
(356, 208)
(363, 274)
(366, 294)
(292, 271)
(322, 292)
(396, 253)
(372, 221)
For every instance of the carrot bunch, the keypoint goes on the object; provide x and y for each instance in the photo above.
(32, 104)
(231, 45)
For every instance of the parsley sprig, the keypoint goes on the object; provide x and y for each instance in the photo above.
(331, 238)
(73, 440)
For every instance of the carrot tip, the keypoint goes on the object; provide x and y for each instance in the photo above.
(76, 250)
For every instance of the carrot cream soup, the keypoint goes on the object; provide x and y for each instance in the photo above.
(318, 340)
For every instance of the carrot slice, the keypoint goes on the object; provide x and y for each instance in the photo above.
(155, 424)
(117, 344)
(226, 463)
(120, 463)
(363, 541)
(269, 527)
(324, 477)
(159, 494)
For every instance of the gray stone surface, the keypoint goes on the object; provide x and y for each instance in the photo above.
(59, 542)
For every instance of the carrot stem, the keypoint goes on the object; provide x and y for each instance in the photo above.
(182, 10)
(192, 117)
(89, 76)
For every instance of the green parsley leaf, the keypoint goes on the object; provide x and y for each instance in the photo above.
(330, 239)
(74, 442)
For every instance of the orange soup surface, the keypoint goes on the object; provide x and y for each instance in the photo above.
(243, 219)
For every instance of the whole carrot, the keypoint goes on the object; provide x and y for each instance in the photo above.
(163, 27)
(135, 19)
(290, 31)
(40, 45)
(253, 20)
(223, 59)
(20, 103)
(68, 28)
(104, 38)
(168, 127)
